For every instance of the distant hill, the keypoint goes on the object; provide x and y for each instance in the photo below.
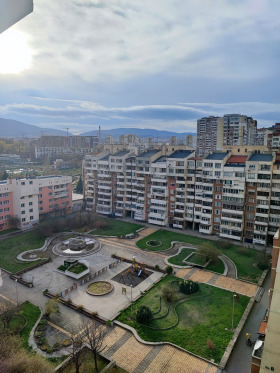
(13, 128)
(139, 132)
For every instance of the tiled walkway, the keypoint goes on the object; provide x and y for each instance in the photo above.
(137, 357)
(231, 284)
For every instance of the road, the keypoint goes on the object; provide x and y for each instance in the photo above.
(241, 357)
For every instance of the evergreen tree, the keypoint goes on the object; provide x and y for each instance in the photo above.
(79, 187)
(5, 175)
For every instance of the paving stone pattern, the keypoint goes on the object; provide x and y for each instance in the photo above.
(231, 284)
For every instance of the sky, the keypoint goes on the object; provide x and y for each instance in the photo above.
(158, 64)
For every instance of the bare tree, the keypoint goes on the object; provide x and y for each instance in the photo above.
(94, 336)
(211, 254)
(76, 349)
(7, 312)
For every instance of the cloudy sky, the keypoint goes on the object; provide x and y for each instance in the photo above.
(144, 63)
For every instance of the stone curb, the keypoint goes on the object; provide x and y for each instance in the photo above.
(134, 332)
(263, 276)
(237, 331)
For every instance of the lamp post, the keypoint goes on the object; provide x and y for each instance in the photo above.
(233, 298)
(16, 290)
(131, 301)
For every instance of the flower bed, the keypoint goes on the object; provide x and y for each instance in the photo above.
(154, 243)
(99, 288)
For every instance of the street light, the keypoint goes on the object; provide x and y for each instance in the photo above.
(131, 301)
(16, 290)
(233, 297)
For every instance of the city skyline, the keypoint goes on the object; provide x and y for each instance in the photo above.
(161, 65)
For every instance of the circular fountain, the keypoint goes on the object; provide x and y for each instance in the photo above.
(77, 246)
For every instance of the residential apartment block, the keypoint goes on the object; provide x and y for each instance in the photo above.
(232, 195)
(232, 129)
(32, 199)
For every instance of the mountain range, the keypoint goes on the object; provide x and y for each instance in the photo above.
(14, 128)
(139, 132)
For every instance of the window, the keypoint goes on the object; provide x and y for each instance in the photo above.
(31, 217)
(217, 212)
(218, 204)
(30, 203)
(250, 208)
(40, 195)
(22, 205)
(22, 183)
(250, 217)
(217, 219)
(23, 212)
(249, 224)
(218, 189)
(23, 220)
(251, 176)
(251, 200)
(30, 182)
(30, 210)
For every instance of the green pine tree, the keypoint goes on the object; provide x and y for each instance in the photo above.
(79, 187)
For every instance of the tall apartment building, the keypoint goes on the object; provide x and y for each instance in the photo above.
(232, 129)
(232, 195)
(31, 199)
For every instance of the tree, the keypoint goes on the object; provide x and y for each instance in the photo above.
(94, 335)
(76, 349)
(167, 293)
(14, 358)
(7, 312)
(52, 306)
(211, 254)
(263, 260)
(79, 186)
(14, 221)
(188, 287)
(5, 175)
(144, 315)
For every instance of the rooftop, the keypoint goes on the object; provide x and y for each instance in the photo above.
(216, 156)
(160, 159)
(237, 159)
(121, 153)
(180, 154)
(256, 157)
(148, 154)
(105, 158)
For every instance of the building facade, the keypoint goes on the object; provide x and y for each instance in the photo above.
(232, 129)
(32, 199)
(235, 196)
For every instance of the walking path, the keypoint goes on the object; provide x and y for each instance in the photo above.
(231, 284)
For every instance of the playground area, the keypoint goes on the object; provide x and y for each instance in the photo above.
(102, 267)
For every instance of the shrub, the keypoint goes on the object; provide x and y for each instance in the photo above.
(44, 347)
(66, 342)
(169, 270)
(167, 293)
(156, 267)
(41, 327)
(41, 341)
(62, 268)
(49, 350)
(210, 344)
(68, 301)
(144, 315)
(94, 313)
(225, 244)
(80, 308)
(263, 260)
(188, 287)
(43, 322)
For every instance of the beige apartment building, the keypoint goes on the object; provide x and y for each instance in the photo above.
(235, 196)
(232, 129)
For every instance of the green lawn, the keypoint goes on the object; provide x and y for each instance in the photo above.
(244, 259)
(11, 247)
(202, 316)
(77, 268)
(32, 314)
(8, 231)
(178, 260)
(116, 227)
(197, 259)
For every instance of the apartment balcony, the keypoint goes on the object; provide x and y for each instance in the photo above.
(232, 237)
(237, 212)
(258, 241)
(190, 204)
(103, 210)
(263, 223)
(176, 225)
(260, 232)
(204, 230)
(232, 227)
